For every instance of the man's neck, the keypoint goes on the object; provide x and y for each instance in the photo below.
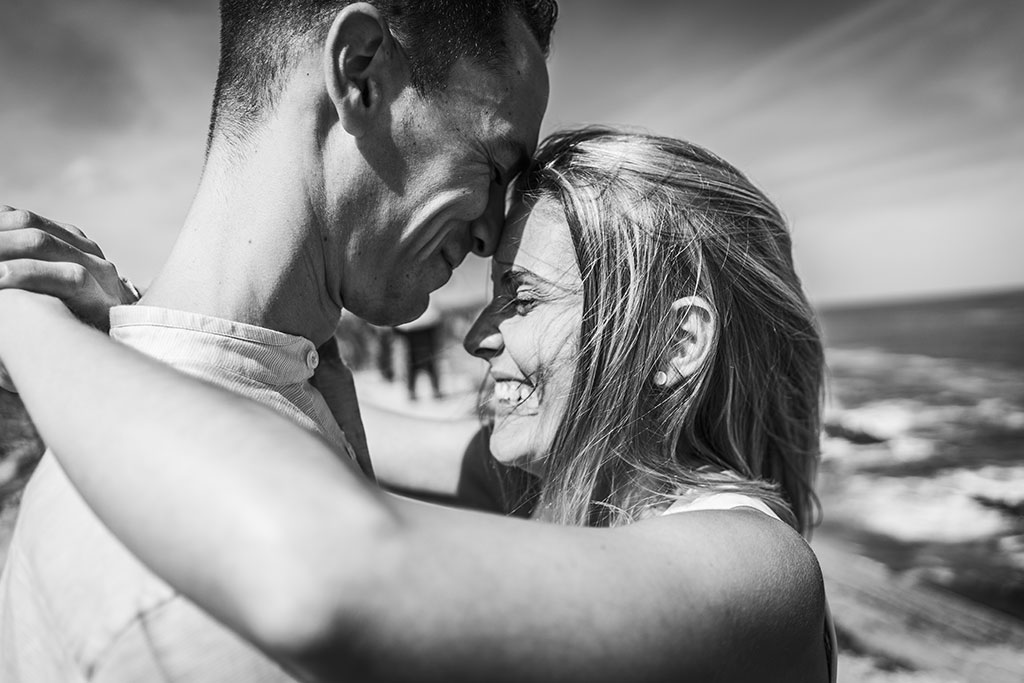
(251, 249)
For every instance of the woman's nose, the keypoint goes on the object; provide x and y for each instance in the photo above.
(484, 339)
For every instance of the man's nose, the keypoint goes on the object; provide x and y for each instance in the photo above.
(484, 339)
(486, 230)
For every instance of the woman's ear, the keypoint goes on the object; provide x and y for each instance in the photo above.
(695, 324)
(360, 55)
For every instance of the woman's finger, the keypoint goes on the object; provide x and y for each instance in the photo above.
(12, 220)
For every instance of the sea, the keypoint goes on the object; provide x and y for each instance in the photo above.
(923, 458)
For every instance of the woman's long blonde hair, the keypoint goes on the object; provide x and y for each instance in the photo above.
(654, 219)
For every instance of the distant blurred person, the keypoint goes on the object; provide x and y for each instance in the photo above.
(385, 342)
(423, 346)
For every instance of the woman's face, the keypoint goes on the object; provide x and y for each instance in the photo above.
(529, 333)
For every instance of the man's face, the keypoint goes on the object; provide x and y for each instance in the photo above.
(439, 191)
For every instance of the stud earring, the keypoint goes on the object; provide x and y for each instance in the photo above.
(660, 378)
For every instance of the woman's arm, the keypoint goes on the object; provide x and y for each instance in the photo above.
(261, 524)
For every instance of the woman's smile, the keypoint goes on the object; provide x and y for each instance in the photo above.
(515, 396)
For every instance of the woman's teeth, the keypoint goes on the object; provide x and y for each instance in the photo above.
(507, 391)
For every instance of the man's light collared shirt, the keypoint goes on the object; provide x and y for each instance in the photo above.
(75, 605)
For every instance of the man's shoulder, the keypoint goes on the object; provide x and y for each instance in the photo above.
(64, 535)
(64, 561)
(83, 599)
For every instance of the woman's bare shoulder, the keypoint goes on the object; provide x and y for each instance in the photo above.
(764, 592)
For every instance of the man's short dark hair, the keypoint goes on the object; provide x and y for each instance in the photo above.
(259, 38)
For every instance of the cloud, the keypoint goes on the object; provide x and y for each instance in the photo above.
(56, 72)
(103, 114)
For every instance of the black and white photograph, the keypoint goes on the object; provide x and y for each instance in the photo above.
(511, 340)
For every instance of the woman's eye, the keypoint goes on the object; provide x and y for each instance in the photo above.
(517, 304)
(523, 305)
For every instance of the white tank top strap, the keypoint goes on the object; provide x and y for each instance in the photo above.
(720, 501)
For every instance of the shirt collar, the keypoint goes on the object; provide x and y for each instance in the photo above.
(190, 339)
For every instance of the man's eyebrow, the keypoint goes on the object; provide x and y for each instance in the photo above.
(512, 149)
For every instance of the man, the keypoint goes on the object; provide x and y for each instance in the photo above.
(358, 152)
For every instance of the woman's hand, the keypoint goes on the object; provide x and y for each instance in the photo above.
(46, 257)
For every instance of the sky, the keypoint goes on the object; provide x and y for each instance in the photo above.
(890, 132)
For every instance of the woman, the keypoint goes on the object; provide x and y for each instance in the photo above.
(652, 353)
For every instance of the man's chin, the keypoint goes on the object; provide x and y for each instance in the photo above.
(398, 313)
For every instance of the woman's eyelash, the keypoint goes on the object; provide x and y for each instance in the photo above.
(520, 304)
(523, 304)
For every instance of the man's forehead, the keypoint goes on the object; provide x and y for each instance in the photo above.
(506, 89)
(511, 97)
(516, 119)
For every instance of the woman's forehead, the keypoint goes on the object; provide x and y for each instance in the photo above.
(536, 238)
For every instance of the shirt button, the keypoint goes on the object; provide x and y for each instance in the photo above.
(312, 359)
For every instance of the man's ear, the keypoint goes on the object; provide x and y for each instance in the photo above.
(359, 55)
(695, 324)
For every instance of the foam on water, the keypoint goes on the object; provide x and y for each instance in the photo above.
(952, 507)
(924, 465)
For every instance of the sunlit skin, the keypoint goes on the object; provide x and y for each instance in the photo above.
(455, 153)
(529, 333)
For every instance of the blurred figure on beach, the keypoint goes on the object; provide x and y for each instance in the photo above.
(384, 339)
(423, 346)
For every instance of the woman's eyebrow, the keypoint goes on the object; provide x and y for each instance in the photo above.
(517, 275)
(514, 275)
